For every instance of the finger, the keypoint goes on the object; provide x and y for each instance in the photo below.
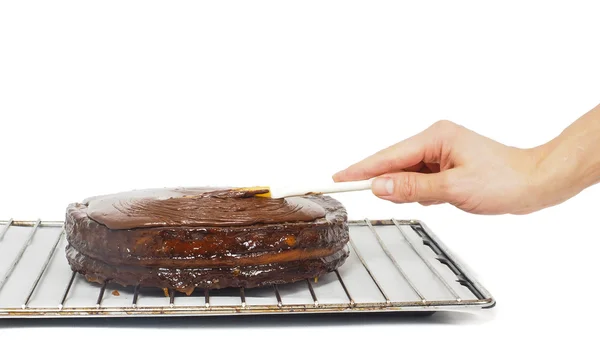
(405, 154)
(405, 187)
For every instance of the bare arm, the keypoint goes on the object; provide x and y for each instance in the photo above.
(570, 162)
(448, 163)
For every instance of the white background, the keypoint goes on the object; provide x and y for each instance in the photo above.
(105, 96)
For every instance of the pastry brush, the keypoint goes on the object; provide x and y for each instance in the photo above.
(305, 190)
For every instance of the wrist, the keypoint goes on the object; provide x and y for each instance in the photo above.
(562, 169)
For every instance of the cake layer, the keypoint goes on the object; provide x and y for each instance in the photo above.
(187, 279)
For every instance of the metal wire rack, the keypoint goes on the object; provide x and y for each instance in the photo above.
(394, 265)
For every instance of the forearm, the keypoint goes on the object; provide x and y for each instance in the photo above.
(570, 162)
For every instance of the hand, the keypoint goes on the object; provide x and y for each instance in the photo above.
(448, 163)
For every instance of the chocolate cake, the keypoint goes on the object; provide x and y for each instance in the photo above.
(187, 238)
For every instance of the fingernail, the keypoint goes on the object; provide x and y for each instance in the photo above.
(336, 176)
(383, 186)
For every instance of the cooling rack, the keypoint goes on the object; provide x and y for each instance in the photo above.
(394, 265)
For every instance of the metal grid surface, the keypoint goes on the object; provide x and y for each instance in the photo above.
(394, 265)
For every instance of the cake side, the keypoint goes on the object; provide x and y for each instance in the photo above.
(186, 280)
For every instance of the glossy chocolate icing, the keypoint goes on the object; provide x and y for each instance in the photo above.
(192, 207)
(211, 238)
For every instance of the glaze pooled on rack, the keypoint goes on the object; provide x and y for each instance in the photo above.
(197, 207)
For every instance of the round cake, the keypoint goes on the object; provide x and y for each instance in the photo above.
(188, 238)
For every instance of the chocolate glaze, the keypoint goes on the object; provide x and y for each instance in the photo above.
(196, 207)
(210, 238)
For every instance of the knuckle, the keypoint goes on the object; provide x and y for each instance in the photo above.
(444, 132)
(407, 187)
(443, 125)
(446, 187)
(429, 184)
(444, 128)
(443, 185)
(453, 188)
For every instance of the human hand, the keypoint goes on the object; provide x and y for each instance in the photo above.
(448, 163)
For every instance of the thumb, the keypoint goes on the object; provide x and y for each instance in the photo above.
(405, 187)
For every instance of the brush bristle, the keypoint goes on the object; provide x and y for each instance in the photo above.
(260, 191)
